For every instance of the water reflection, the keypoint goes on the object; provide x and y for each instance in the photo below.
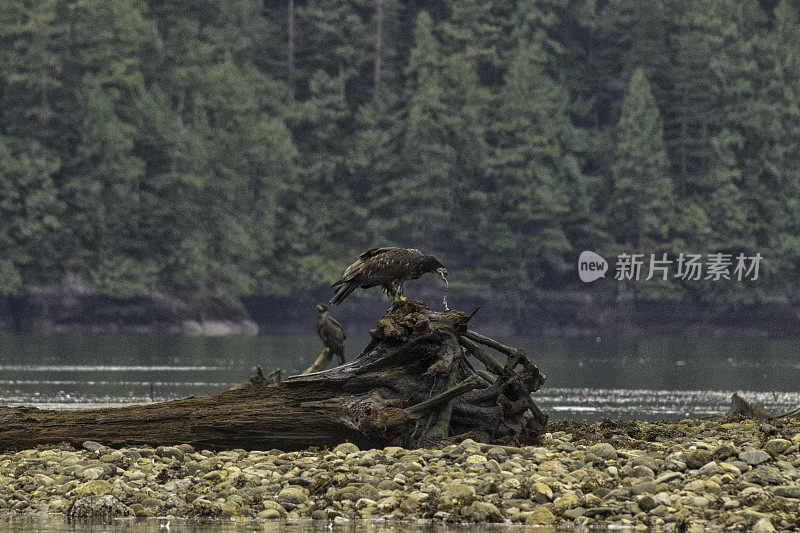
(57, 524)
(587, 378)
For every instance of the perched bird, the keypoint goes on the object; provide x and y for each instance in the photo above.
(388, 268)
(330, 331)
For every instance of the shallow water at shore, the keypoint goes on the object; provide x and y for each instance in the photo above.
(587, 378)
(58, 524)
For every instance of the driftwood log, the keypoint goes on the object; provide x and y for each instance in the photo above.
(413, 385)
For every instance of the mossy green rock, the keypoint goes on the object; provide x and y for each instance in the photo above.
(459, 491)
(293, 494)
(540, 516)
(346, 448)
(369, 492)
(97, 487)
(777, 446)
(697, 458)
(604, 451)
(484, 512)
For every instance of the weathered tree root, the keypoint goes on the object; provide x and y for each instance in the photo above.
(741, 409)
(413, 385)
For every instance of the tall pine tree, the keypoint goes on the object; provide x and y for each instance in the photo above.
(529, 161)
(641, 210)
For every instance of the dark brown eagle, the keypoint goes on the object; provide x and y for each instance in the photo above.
(388, 268)
(330, 331)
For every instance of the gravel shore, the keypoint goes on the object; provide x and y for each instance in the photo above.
(689, 474)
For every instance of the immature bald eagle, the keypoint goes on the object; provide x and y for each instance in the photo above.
(330, 331)
(388, 267)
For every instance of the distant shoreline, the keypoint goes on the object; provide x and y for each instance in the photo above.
(159, 313)
(554, 313)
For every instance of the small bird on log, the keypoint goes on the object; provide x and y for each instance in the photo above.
(387, 267)
(330, 331)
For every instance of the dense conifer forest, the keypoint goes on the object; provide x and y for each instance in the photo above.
(257, 147)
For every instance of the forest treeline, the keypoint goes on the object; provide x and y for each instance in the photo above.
(256, 148)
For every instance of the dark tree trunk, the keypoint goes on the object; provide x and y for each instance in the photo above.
(413, 385)
(378, 43)
(290, 45)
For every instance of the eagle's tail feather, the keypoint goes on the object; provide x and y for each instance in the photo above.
(342, 292)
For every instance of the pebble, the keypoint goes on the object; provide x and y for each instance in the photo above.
(604, 450)
(697, 458)
(476, 460)
(788, 491)
(540, 516)
(693, 474)
(98, 487)
(777, 446)
(667, 477)
(568, 500)
(754, 457)
(763, 526)
(644, 487)
(92, 446)
(763, 475)
(708, 469)
(293, 494)
(346, 448)
(484, 512)
(647, 503)
(643, 471)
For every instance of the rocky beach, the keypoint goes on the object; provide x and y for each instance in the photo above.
(693, 474)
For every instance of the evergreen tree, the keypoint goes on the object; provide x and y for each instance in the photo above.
(337, 41)
(736, 76)
(104, 178)
(174, 135)
(529, 164)
(692, 114)
(319, 238)
(419, 211)
(388, 43)
(480, 31)
(772, 174)
(726, 207)
(374, 159)
(34, 99)
(249, 152)
(29, 213)
(160, 145)
(635, 36)
(642, 202)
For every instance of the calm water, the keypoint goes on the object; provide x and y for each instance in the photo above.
(55, 524)
(647, 378)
